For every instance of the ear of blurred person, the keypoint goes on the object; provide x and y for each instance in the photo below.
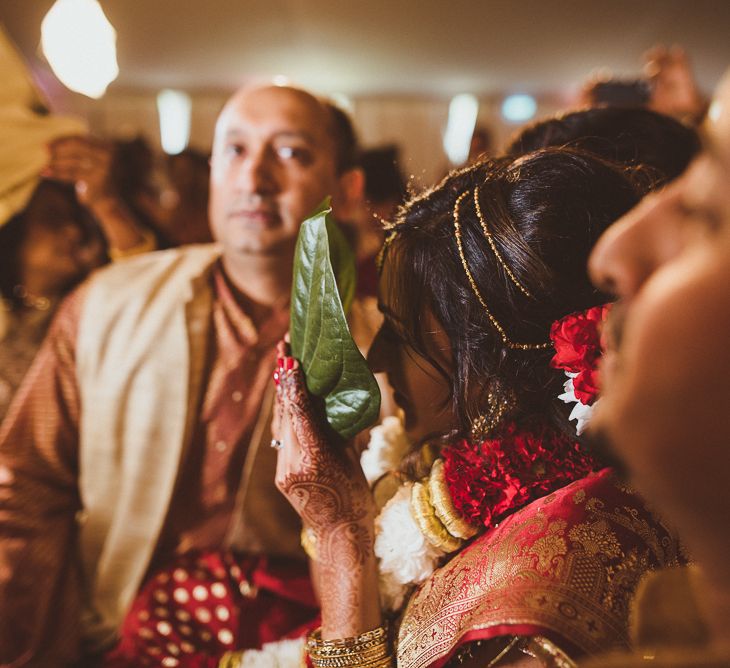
(665, 397)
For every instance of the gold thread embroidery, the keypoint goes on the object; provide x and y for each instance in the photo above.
(498, 581)
(596, 538)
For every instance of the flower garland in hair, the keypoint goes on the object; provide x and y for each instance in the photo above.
(578, 350)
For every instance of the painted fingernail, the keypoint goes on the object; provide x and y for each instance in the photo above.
(280, 363)
(277, 378)
(289, 363)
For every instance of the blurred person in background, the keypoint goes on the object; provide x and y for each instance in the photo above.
(139, 440)
(667, 86)
(655, 143)
(189, 173)
(481, 144)
(385, 190)
(53, 232)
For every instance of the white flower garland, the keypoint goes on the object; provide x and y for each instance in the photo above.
(281, 654)
(405, 556)
(388, 445)
(581, 412)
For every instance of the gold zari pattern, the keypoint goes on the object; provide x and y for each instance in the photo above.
(565, 566)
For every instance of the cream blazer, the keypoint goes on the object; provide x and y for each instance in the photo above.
(140, 359)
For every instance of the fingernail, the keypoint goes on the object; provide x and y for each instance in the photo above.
(280, 363)
(276, 378)
(289, 363)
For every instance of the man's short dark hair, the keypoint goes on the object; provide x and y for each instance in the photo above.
(343, 133)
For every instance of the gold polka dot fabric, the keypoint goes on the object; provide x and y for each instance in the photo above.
(209, 603)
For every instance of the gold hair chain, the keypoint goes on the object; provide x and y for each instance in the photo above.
(492, 245)
(495, 323)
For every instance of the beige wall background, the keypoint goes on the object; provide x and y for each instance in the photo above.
(415, 123)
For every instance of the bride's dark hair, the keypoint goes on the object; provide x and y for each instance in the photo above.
(545, 211)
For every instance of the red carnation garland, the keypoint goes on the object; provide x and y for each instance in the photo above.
(496, 477)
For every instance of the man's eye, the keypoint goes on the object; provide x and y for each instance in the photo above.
(302, 155)
(234, 149)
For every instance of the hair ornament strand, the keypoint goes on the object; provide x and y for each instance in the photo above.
(495, 323)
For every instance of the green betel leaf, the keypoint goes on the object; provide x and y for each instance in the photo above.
(334, 369)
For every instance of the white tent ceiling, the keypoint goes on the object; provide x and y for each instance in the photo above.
(425, 47)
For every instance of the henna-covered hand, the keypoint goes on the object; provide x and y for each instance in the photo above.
(327, 488)
(324, 484)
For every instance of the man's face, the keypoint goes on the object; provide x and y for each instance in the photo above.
(666, 377)
(273, 162)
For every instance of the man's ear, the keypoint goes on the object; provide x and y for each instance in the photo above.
(349, 201)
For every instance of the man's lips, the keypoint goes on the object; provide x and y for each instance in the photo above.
(254, 217)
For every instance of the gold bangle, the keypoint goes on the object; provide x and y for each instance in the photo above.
(231, 660)
(444, 506)
(367, 650)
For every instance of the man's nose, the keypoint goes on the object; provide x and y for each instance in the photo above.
(631, 249)
(257, 172)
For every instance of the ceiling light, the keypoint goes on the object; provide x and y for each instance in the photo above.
(80, 46)
(463, 111)
(174, 108)
(518, 108)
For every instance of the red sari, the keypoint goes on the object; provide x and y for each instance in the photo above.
(564, 567)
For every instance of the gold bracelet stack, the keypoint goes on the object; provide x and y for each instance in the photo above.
(368, 650)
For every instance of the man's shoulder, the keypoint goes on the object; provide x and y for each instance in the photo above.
(161, 278)
(195, 257)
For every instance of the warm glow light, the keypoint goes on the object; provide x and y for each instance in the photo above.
(715, 111)
(344, 102)
(174, 109)
(460, 127)
(281, 80)
(518, 108)
(80, 45)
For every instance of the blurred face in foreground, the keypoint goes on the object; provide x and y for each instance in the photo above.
(666, 379)
(273, 162)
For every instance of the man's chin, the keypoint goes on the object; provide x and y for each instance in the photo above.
(263, 248)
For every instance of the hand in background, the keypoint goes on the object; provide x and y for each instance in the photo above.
(84, 162)
(674, 89)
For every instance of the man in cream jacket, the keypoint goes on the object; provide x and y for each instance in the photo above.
(141, 431)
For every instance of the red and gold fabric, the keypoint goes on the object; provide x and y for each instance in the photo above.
(564, 567)
(210, 603)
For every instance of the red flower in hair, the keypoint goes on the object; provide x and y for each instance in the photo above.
(577, 341)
